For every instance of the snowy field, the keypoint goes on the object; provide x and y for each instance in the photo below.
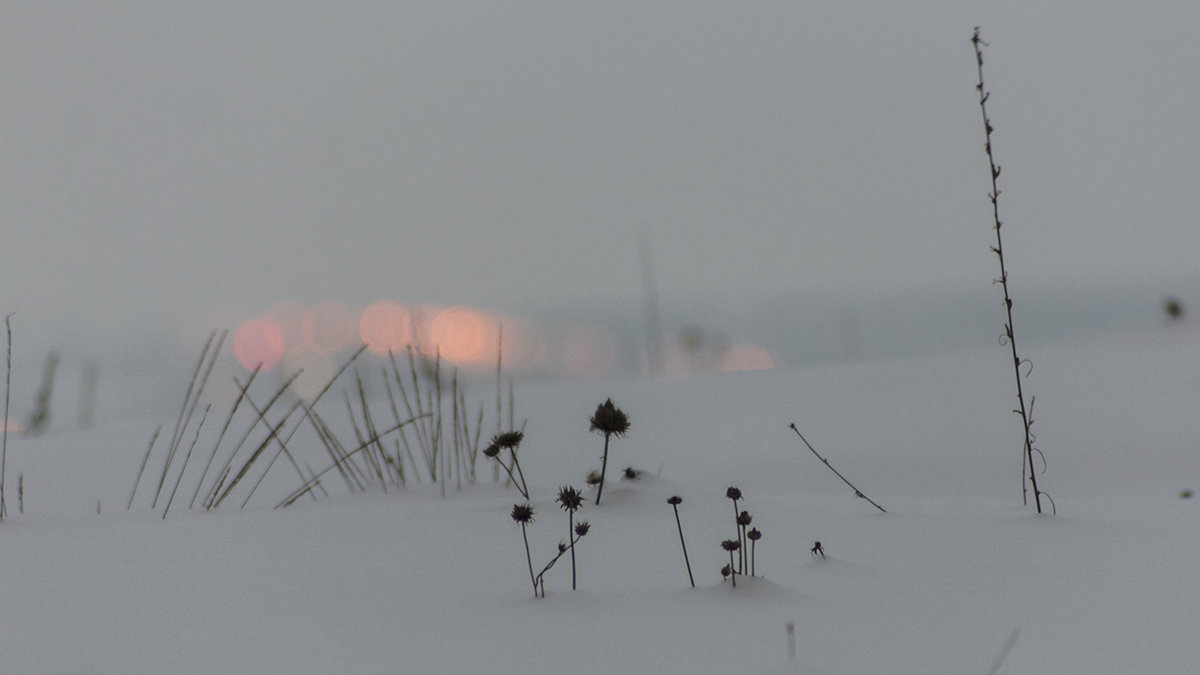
(409, 581)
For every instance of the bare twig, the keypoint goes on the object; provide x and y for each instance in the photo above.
(857, 492)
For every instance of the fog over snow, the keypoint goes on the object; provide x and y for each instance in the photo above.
(170, 168)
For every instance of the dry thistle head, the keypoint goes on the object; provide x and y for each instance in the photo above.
(593, 477)
(491, 450)
(582, 528)
(610, 420)
(674, 500)
(508, 440)
(726, 571)
(733, 493)
(569, 499)
(731, 545)
(744, 518)
(522, 513)
(754, 534)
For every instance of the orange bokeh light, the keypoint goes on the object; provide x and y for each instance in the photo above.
(258, 341)
(463, 335)
(328, 327)
(385, 326)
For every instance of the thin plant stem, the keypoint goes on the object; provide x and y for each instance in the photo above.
(186, 458)
(529, 559)
(998, 249)
(684, 545)
(857, 492)
(571, 532)
(603, 468)
(142, 466)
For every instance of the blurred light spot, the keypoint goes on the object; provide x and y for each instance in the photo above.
(746, 357)
(589, 350)
(11, 426)
(287, 316)
(463, 335)
(328, 327)
(385, 326)
(258, 341)
(315, 370)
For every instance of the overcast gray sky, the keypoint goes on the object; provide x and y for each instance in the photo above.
(186, 162)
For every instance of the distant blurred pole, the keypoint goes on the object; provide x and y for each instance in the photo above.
(653, 332)
(4, 433)
(86, 416)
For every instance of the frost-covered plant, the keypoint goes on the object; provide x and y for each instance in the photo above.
(610, 421)
(523, 514)
(509, 440)
(675, 501)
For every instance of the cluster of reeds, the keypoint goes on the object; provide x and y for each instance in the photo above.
(427, 438)
(570, 500)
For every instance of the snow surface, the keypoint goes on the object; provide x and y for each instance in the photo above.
(412, 582)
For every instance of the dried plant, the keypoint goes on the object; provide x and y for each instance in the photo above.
(571, 500)
(753, 535)
(732, 546)
(509, 440)
(857, 493)
(610, 421)
(1009, 338)
(675, 501)
(523, 515)
(743, 520)
(735, 494)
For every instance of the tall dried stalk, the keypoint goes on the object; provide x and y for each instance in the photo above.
(1009, 338)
